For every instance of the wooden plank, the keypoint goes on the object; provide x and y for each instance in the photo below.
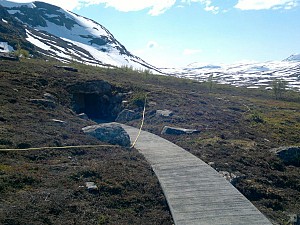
(195, 192)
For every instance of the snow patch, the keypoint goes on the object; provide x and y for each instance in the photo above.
(36, 42)
(243, 74)
(295, 57)
(5, 47)
(8, 4)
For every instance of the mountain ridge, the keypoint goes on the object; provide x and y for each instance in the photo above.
(247, 74)
(47, 30)
(64, 35)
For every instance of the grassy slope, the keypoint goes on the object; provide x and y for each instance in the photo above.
(238, 127)
(48, 187)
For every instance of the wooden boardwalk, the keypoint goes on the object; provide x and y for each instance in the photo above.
(195, 192)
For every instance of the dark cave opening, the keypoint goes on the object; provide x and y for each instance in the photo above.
(98, 99)
(95, 106)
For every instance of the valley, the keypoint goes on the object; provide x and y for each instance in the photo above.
(238, 128)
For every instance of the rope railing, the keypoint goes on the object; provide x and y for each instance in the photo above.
(142, 124)
(55, 147)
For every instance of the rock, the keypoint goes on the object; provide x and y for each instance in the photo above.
(164, 113)
(289, 155)
(111, 133)
(83, 116)
(231, 177)
(68, 68)
(58, 121)
(152, 103)
(294, 219)
(7, 56)
(91, 186)
(44, 102)
(178, 131)
(127, 115)
(49, 97)
(211, 164)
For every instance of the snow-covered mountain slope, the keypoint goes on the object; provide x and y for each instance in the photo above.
(295, 57)
(67, 36)
(251, 75)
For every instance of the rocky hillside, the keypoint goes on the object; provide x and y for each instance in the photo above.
(48, 30)
(240, 133)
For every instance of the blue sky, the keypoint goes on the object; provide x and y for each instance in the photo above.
(179, 32)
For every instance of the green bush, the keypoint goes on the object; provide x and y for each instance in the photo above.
(138, 99)
(257, 118)
(279, 87)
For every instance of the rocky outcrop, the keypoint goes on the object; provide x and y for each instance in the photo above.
(178, 131)
(49, 97)
(68, 68)
(128, 115)
(111, 133)
(97, 99)
(6, 56)
(83, 116)
(231, 177)
(294, 219)
(91, 186)
(164, 113)
(290, 155)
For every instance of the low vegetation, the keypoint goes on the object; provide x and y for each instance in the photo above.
(238, 128)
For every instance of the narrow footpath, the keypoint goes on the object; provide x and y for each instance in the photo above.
(196, 193)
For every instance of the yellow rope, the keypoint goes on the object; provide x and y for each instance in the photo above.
(142, 123)
(61, 147)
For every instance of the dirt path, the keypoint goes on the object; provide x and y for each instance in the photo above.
(195, 192)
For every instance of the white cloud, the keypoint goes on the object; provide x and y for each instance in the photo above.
(265, 4)
(155, 7)
(211, 8)
(207, 3)
(187, 51)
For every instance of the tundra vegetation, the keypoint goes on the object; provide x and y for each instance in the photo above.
(238, 127)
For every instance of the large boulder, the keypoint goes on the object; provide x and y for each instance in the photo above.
(178, 131)
(111, 133)
(289, 155)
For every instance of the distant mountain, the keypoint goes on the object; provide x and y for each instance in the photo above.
(251, 74)
(295, 57)
(45, 29)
